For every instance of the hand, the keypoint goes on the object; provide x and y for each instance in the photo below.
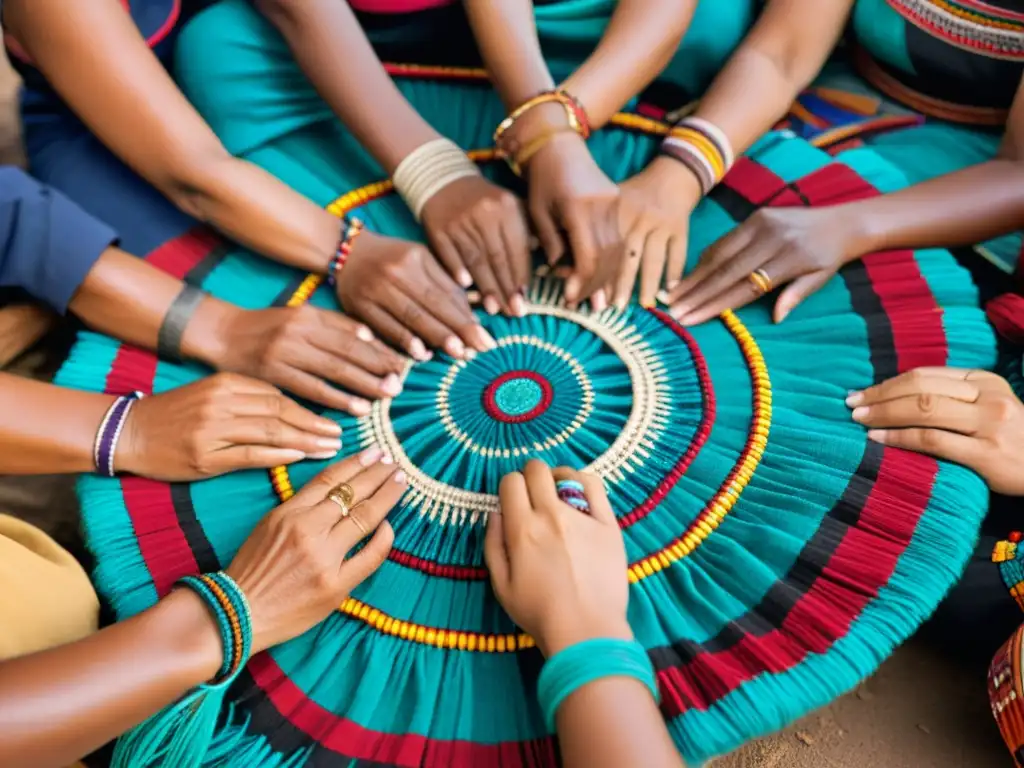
(559, 573)
(568, 191)
(479, 231)
(804, 245)
(971, 417)
(222, 423)
(296, 568)
(662, 197)
(304, 350)
(400, 291)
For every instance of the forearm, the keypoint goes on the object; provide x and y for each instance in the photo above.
(962, 208)
(638, 44)
(61, 704)
(331, 48)
(593, 731)
(46, 429)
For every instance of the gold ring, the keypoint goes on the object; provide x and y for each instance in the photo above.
(359, 523)
(762, 283)
(343, 495)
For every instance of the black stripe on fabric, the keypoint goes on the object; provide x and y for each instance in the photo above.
(282, 299)
(867, 304)
(198, 274)
(185, 512)
(733, 203)
(784, 594)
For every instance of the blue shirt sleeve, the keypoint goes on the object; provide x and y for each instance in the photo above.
(47, 243)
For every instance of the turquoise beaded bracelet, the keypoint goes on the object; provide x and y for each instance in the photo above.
(573, 667)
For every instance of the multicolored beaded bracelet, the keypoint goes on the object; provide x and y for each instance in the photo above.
(351, 228)
(109, 433)
(702, 147)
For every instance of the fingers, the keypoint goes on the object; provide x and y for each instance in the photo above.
(457, 314)
(514, 499)
(267, 401)
(585, 253)
(272, 432)
(629, 269)
(676, 257)
(547, 232)
(473, 252)
(516, 236)
(797, 291)
(922, 410)
(310, 386)
(494, 241)
(495, 553)
(540, 484)
(713, 257)
(950, 446)
(653, 268)
(316, 489)
(597, 497)
(366, 561)
(921, 381)
(370, 513)
(449, 255)
(238, 457)
(355, 343)
(738, 295)
(394, 332)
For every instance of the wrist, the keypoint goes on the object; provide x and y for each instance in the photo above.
(862, 231)
(567, 146)
(572, 630)
(190, 634)
(672, 180)
(207, 337)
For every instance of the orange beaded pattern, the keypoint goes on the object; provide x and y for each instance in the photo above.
(229, 609)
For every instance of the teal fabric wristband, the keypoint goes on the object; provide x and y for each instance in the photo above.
(575, 666)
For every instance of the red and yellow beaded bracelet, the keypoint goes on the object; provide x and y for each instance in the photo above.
(351, 229)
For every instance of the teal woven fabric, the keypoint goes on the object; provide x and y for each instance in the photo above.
(777, 556)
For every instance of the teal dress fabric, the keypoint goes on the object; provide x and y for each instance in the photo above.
(776, 555)
(915, 55)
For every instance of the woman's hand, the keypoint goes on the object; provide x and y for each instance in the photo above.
(398, 289)
(570, 193)
(480, 233)
(969, 417)
(297, 567)
(559, 573)
(217, 425)
(661, 197)
(800, 246)
(304, 350)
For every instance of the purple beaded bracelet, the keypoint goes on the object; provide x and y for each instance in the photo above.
(110, 432)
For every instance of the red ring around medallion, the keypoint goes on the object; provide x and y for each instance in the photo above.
(491, 404)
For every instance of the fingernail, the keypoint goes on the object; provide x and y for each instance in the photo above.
(620, 305)
(322, 456)
(518, 305)
(329, 446)
(390, 385)
(684, 320)
(364, 333)
(859, 414)
(370, 456)
(572, 287)
(878, 435)
(290, 456)
(671, 284)
(418, 350)
(386, 459)
(662, 296)
(679, 311)
(359, 406)
(599, 302)
(470, 354)
(453, 346)
(533, 243)
(647, 304)
(486, 340)
(399, 476)
(329, 426)
(854, 398)
(491, 305)
(465, 279)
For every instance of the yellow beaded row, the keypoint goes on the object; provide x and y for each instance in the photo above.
(976, 18)
(1004, 552)
(439, 638)
(722, 502)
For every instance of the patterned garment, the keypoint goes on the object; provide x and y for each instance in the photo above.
(1006, 694)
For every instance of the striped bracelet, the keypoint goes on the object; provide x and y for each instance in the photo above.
(702, 147)
(351, 228)
(230, 609)
(428, 169)
(107, 436)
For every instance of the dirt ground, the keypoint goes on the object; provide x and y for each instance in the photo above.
(919, 711)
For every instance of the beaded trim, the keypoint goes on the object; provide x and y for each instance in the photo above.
(1007, 555)
(994, 37)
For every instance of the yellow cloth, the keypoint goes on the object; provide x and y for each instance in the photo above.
(45, 595)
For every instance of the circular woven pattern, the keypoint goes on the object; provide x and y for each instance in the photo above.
(775, 555)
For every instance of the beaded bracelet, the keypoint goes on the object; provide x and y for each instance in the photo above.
(573, 667)
(428, 169)
(702, 147)
(351, 228)
(109, 433)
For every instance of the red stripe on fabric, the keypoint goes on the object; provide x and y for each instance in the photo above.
(341, 735)
(178, 256)
(162, 543)
(753, 181)
(860, 566)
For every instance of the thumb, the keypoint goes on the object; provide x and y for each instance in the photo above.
(495, 554)
(797, 291)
